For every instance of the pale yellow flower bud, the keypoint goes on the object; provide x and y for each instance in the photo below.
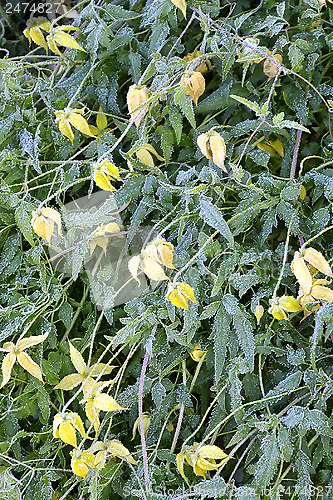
(213, 147)
(194, 84)
(136, 96)
(258, 312)
(270, 69)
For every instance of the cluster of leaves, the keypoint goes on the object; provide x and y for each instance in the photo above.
(207, 373)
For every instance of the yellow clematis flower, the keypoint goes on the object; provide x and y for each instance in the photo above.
(197, 353)
(301, 271)
(258, 312)
(65, 425)
(58, 37)
(83, 371)
(279, 305)
(109, 450)
(194, 84)
(213, 147)
(149, 266)
(43, 222)
(104, 173)
(81, 462)
(16, 353)
(100, 236)
(33, 31)
(95, 401)
(272, 147)
(146, 424)
(67, 117)
(161, 251)
(200, 458)
(144, 154)
(180, 295)
(101, 124)
(318, 293)
(203, 67)
(270, 69)
(318, 261)
(136, 96)
(181, 5)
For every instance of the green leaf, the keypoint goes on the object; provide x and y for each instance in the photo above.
(221, 328)
(268, 462)
(225, 270)
(176, 120)
(167, 142)
(23, 221)
(213, 217)
(186, 105)
(250, 104)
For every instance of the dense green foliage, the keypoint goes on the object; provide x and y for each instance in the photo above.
(262, 393)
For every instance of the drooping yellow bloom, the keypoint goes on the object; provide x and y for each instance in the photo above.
(65, 425)
(194, 84)
(58, 37)
(108, 450)
(67, 117)
(149, 266)
(144, 154)
(270, 69)
(100, 236)
(146, 424)
(279, 305)
(272, 147)
(181, 5)
(318, 261)
(43, 222)
(161, 251)
(104, 173)
(318, 294)
(136, 96)
(16, 353)
(180, 295)
(258, 312)
(203, 67)
(101, 124)
(95, 401)
(84, 372)
(33, 31)
(197, 353)
(303, 192)
(213, 147)
(301, 271)
(201, 459)
(81, 462)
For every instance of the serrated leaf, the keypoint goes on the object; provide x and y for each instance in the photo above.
(250, 104)
(213, 217)
(176, 120)
(221, 328)
(268, 462)
(186, 105)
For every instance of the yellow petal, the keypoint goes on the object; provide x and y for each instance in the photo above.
(69, 382)
(133, 266)
(180, 461)
(206, 465)
(77, 359)
(79, 468)
(67, 433)
(258, 312)
(101, 120)
(270, 69)
(100, 369)
(78, 424)
(302, 273)
(92, 414)
(198, 471)
(79, 123)
(322, 293)
(7, 365)
(110, 169)
(58, 419)
(136, 96)
(28, 364)
(116, 449)
(153, 270)
(145, 157)
(203, 143)
(52, 214)
(42, 226)
(177, 299)
(303, 192)
(66, 40)
(106, 403)
(317, 260)
(217, 146)
(38, 37)
(211, 451)
(194, 84)
(102, 181)
(94, 130)
(65, 129)
(30, 341)
(187, 291)
(278, 147)
(181, 4)
(288, 303)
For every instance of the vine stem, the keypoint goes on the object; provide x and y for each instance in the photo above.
(295, 155)
(81, 85)
(181, 413)
(140, 404)
(316, 236)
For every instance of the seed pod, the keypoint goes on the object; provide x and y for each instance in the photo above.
(194, 84)
(137, 95)
(317, 260)
(212, 146)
